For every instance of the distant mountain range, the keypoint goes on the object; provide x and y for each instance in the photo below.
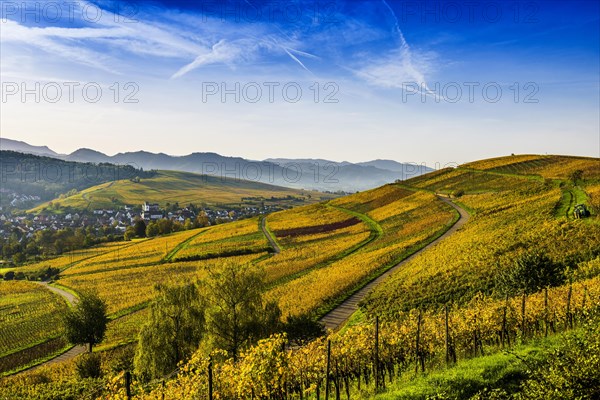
(311, 174)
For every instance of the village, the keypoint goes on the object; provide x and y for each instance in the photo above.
(116, 220)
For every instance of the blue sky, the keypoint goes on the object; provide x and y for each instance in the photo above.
(432, 82)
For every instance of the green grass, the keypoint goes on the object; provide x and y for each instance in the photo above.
(376, 229)
(181, 246)
(570, 197)
(359, 317)
(181, 187)
(501, 370)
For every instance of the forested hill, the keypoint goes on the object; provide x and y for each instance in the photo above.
(29, 179)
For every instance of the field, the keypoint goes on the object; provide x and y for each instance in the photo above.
(331, 249)
(235, 238)
(183, 188)
(30, 316)
(511, 214)
(399, 221)
(138, 253)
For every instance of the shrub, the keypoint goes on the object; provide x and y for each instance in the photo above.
(530, 273)
(302, 329)
(88, 365)
(458, 193)
(121, 359)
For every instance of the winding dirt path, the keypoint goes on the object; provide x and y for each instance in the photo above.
(66, 295)
(75, 350)
(336, 317)
(270, 238)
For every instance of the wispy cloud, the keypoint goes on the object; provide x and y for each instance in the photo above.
(187, 41)
(399, 66)
(222, 52)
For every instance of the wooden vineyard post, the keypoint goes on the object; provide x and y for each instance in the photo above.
(327, 369)
(474, 336)
(128, 384)
(418, 358)
(447, 335)
(376, 354)
(568, 317)
(210, 379)
(504, 334)
(523, 317)
(546, 312)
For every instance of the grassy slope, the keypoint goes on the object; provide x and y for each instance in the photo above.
(500, 370)
(512, 213)
(173, 186)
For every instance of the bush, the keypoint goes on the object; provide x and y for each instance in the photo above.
(121, 359)
(88, 365)
(302, 329)
(458, 193)
(530, 273)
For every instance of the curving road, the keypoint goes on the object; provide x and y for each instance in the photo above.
(263, 227)
(66, 295)
(336, 317)
(74, 351)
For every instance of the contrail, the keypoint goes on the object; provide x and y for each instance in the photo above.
(295, 59)
(405, 47)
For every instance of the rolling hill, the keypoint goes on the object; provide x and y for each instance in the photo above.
(184, 188)
(330, 250)
(28, 179)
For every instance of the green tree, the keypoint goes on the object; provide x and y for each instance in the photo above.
(130, 233)
(19, 258)
(530, 273)
(173, 331)
(237, 315)
(140, 228)
(86, 322)
(152, 229)
(165, 226)
(201, 220)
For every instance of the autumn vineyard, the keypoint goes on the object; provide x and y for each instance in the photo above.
(521, 271)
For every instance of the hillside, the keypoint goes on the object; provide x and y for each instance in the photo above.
(184, 188)
(327, 251)
(518, 205)
(28, 179)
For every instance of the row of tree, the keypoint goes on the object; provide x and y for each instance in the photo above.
(164, 226)
(19, 246)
